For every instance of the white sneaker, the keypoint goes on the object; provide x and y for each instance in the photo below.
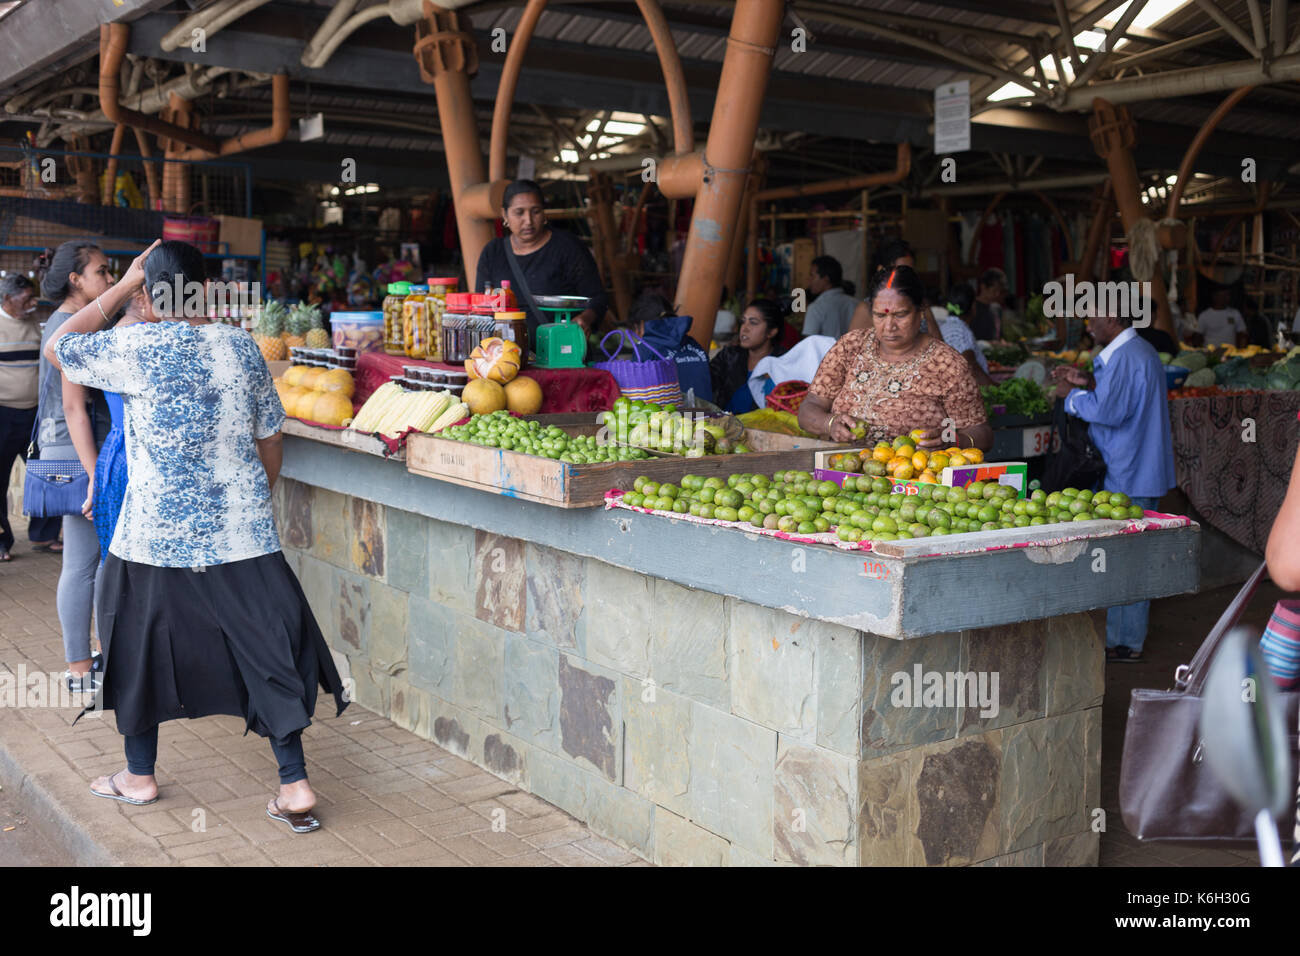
(87, 683)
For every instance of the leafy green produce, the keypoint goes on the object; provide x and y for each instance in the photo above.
(1021, 396)
(1012, 354)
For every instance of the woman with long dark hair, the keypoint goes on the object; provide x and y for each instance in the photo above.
(200, 611)
(548, 261)
(760, 332)
(74, 421)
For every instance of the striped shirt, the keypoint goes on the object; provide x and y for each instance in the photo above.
(1281, 644)
(20, 360)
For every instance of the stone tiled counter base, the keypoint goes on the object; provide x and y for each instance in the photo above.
(700, 727)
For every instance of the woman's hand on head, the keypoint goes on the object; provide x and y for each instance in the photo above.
(134, 276)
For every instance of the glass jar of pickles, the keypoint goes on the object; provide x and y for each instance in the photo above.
(435, 306)
(394, 335)
(415, 324)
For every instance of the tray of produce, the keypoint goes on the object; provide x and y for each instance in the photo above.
(573, 465)
(866, 513)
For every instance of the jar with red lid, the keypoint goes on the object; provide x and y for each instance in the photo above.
(456, 320)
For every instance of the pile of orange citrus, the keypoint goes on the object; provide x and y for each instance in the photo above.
(902, 460)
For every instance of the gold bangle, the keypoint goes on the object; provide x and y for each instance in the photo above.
(101, 309)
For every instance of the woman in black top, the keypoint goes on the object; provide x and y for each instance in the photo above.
(552, 263)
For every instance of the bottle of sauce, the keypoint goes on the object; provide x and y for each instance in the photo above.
(394, 336)
(415, 328)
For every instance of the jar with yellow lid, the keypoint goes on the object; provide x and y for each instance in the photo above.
(435, 306)
(394, 336)
(415, 325)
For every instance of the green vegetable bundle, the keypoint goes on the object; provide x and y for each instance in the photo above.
(1012, 354)
(1021, 396)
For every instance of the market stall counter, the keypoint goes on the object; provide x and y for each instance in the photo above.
(708, 696)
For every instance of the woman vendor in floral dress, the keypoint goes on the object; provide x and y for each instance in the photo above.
(894, 379)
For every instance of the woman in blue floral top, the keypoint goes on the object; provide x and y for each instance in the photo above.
(200, 613)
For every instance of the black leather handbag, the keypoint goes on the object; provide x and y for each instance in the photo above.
(1078, 463)
(1167, 793)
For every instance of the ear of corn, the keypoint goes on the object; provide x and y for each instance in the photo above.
(391, 411)
(376, 407)
(454, 413)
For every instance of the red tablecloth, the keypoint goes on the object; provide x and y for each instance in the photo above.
(564, 390)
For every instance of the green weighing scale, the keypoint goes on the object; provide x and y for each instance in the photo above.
(563, 342)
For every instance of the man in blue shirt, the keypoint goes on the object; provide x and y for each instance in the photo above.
(1125, 404)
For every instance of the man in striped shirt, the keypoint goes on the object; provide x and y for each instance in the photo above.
(20, 346)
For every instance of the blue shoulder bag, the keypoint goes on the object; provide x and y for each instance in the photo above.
(54, 488)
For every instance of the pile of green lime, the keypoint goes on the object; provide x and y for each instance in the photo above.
(502, 430)
(867, 508)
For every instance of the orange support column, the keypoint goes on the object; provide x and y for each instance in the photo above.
(447, 57)
(751, 46)
(1113, 137)
(601, 192)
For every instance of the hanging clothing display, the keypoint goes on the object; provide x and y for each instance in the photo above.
(992, 255)
(1009, 250)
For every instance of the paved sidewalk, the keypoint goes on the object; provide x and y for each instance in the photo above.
(386, 797)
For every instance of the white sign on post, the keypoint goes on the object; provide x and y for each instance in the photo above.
(952, 118)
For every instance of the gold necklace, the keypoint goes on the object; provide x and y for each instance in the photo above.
(898, 376)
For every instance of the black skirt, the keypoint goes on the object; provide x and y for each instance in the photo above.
(236, 639)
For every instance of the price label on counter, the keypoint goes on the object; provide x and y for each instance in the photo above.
(1038, 441)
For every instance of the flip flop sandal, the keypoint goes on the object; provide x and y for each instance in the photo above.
(299, 822)
(5, 556)
(49, 547)
(119, 795)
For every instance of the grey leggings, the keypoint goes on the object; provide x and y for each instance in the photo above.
(77, 585)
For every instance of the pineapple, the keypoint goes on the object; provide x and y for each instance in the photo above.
(317, 337)
(299, 322)
(267, 332)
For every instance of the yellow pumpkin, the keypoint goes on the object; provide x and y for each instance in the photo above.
(336, 380)
(331, 408)
(292, 395)
(495, 359)
(311, 378)
(293, 375)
